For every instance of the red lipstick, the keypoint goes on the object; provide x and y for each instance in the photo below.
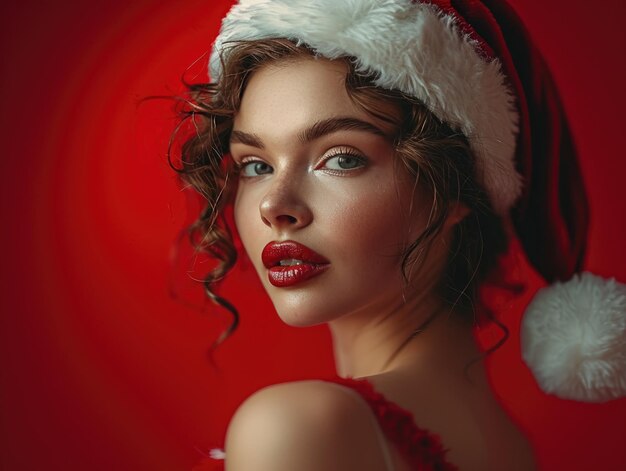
(289, 263)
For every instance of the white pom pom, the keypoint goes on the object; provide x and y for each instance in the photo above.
(574, 338)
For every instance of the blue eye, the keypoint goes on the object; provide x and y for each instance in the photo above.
(344, 162)
(255, 168)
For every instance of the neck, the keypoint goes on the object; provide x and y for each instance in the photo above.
(373, 341)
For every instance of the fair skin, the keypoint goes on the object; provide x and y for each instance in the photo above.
(326, 177)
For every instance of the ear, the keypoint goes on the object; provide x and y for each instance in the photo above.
(456, 213)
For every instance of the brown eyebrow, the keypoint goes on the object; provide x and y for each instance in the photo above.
(319, 129)
(328, 126)
(247, 139)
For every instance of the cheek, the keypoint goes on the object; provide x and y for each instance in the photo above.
(374, 223)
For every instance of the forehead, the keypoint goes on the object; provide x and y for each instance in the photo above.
(297, 91)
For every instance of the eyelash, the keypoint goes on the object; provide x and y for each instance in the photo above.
(240, 166)
(345, 152)
(339, 152)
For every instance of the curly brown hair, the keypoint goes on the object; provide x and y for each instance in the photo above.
(437, 156)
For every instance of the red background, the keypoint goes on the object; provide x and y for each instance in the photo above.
(101, 367)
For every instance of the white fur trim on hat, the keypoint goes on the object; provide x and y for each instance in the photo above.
(411, 47)
(574, 338)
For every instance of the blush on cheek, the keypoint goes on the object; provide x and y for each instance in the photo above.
(376, 224)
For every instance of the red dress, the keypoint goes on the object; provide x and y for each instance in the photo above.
(420, 448)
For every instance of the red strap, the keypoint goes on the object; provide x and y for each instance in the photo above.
(422, 449)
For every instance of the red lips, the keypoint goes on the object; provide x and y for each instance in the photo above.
(299, 263)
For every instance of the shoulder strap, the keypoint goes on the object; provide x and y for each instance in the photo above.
(379, 433)
(422, 449)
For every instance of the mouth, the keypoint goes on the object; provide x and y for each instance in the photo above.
(290, 262)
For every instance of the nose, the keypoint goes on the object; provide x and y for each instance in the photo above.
(284, 206)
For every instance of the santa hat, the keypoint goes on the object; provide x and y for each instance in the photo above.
(473, 66)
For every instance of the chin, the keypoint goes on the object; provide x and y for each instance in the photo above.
(296, 321)
(302, 309)
(301, 305)
(301, 317)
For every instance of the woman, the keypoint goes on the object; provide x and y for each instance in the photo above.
(377, 155)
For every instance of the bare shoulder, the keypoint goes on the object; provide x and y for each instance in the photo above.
(305, 425)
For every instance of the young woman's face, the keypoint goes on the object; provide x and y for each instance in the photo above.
(323, 207)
